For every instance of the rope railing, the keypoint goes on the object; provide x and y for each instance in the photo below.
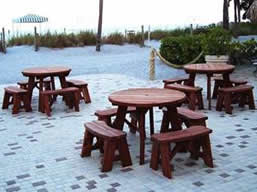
(177, 66)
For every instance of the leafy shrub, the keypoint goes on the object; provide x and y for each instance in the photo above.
(245, 28)
(241, 53)
(216, 42)
(182, 49)
(134, 38)
(114, 38)
(87, 37)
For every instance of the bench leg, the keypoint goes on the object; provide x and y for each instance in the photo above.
(124, 153)
(6, 100)
(227, 103)
(86, 95)
(165, 159)
(151, 121)
(16, 103)
(200, 100)
(76, 101)
(109, 149)
(207, 154)
(155, 156)
(251, 100)
(46, 106)
(192, 99)
(87, 144)
(26, 103)
(133, 126)
(215, 90)
(219, 103)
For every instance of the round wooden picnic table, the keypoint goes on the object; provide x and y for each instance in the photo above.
(144, 99)
(43, 72)
(209, 69)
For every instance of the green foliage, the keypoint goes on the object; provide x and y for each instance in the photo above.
(216, 42)
(160, 34)
(57, 40)
(114, 38)
(22, 40)
(134, 38)
(245, 28)
(87, 37)
(182, 49)
(241, 53)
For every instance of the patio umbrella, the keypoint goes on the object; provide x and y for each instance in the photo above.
(32, 18)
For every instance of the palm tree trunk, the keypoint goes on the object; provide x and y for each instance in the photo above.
(225, 15)
(238, 11)
(235, 10)
(100, 22)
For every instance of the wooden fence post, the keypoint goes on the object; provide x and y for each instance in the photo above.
(143, 37)
(3, 40)
(35, 39)
(152, 65)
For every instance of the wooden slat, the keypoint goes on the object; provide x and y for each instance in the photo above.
(60, 91)
(100, 129)
(112, 112)
(181, 135)
(209, 68)
(13, 89)
(240, 88)
(76, 82)
(189, 114)
(184, 88)
(147, 97)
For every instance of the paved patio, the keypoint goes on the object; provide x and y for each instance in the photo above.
(43, 154)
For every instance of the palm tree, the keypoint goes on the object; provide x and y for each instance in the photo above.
(100, 22)
(225, 14)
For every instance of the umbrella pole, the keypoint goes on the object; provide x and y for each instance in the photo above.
(35, 39)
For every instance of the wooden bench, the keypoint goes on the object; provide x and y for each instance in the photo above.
(107, 114)
(225, 97)
(71, 95)
(179, 80)
(193, 94)
(111, 139)
(192, 138)
(47, 84)
(191, 118)
(17, 95)
(82, 85)
(219, 83)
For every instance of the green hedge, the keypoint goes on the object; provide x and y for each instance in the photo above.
(181, 50)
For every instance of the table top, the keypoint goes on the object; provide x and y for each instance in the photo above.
(147, 97)
(46, 71)
(209, 68)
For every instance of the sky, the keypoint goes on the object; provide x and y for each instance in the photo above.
(117, 14)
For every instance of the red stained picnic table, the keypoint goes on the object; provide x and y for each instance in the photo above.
(209, 69)
(144, 99)
(44, 72)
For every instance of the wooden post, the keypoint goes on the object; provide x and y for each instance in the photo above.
(152, 65)
(149, 33)
(143, 37)
(191, 29)
(35, 39)
(99, 31)
(3, 40)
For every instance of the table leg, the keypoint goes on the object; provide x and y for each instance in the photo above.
(209, 90)
(226, 80)
(141, 122)
(31, 85)
(172, 117)
(191, 81)
(120, 118)
(41, 85)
